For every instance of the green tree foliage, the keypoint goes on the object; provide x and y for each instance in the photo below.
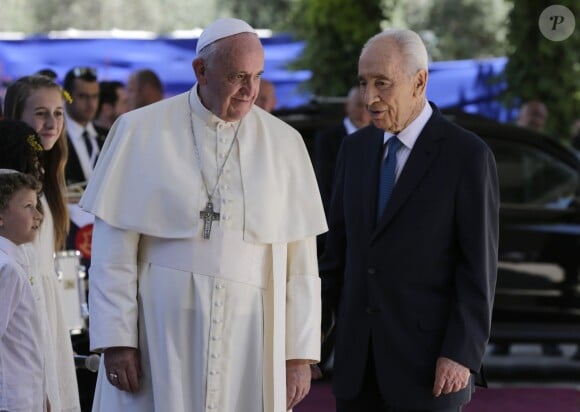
(271, 14)
(465, 29)
(334, 31)
(157, 16)
(539, 68)
(14, 16)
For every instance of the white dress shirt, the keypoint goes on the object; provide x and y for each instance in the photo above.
(75, 131)
(349, 126)
(408, 136)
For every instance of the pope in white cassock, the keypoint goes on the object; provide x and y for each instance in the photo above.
(204, 287)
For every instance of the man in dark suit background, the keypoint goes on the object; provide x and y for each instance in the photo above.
(412, 285)
(326, 145)
(84, 141)
(113, 102)
(328, 141)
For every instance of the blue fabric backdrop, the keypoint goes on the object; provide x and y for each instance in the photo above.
(466, 84)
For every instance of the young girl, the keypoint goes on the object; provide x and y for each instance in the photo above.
(22, 379)
(21, 148)
(38, 101)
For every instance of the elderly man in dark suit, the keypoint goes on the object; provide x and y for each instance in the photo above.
(411, 257)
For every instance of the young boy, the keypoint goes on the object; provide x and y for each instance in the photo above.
(21, 361)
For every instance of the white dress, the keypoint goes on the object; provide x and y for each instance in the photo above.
(62, 385)
(21, 362)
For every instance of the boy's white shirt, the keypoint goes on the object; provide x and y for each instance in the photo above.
(22, 386)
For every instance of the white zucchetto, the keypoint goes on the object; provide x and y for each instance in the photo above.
(220, 29)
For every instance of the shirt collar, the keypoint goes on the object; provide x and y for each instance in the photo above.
(75, 129)
(408, 136)
(210, 119)
(349, 126)
(12, 250)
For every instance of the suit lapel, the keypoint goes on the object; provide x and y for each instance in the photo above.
(422, 155)
(73, 170)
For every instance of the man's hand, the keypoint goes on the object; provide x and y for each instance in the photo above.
(450, 377)
(123, 368)
(297, 381)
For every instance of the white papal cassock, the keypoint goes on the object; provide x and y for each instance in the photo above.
(214, 319)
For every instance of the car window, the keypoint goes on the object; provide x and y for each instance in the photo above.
(532, 177)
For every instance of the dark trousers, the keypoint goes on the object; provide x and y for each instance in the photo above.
(370, 399)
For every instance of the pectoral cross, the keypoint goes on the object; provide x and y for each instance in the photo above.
(208, 216)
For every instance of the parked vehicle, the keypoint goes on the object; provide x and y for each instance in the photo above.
(537, 293)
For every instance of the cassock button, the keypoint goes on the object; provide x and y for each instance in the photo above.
(215, 355)
(371, 271)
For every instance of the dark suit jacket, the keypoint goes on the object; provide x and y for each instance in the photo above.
(73, 171)
(419, 284)
(326, 146)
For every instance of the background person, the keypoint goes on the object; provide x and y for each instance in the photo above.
(19, 152)
(267, 96)
(328, 141)
(533, 115)
(326, 146)
(410, 262)
(113, 102)
(144, 87)
(84, 141)
(48, 72)
(239, 324)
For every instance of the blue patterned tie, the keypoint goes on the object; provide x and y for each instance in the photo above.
(387, 179)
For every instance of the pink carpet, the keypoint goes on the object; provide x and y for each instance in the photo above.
(509, 399)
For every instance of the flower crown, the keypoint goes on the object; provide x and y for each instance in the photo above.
(67, 96)
(31, 139)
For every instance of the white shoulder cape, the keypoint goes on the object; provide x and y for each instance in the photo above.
(147, 178)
